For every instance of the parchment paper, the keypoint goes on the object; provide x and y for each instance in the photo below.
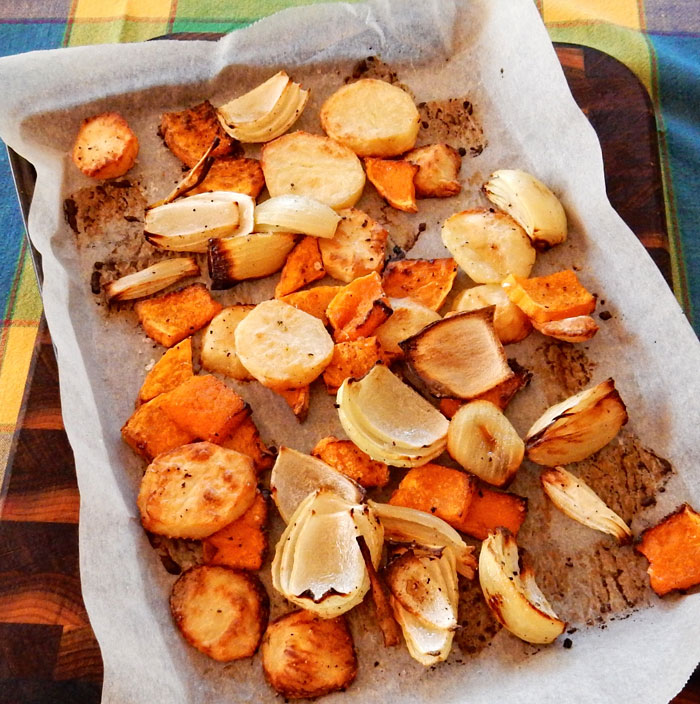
(497, 53)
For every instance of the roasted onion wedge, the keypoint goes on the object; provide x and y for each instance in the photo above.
(572, 430)
(300, 214)
(460, 356)
(512, 594)
(256, 103)
(296, 475)
(427, 645)
(580, 328)
(187, 225)
(530, 203)
(318, 564)
(577, 500)
(152, 279)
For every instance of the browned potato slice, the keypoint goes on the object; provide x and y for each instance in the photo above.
(189, 133)
(306, 656)
(220, 611)
(356, 249)
(232, 174)
(195, 490)
(105, 146)
(438, 166)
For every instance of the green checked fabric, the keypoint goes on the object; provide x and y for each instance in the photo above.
(658, 39)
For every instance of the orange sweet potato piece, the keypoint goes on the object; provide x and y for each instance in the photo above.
(358, 309)
(243, 543)
(426, 281)
(298, 400)
(174, 367)
(206, 408)
(150, 430)
(552, 297)
(303, 266)
(673, 550)
(490, 509)
(394, 181)
(347, 458)
(314, 301)
(351, 360)
(449, 406)
(432, 488)
(232, 174)
(172, 317)
(246, 439)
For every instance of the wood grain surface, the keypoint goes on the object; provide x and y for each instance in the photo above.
(48, 652)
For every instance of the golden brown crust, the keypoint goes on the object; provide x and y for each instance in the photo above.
(189, 133)
(438, 166)
(220, 611)
(305, 656)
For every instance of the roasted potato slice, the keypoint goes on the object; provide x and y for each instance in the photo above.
(347, 458)
(356, 249)
(172, 317)
(105, 146)
(438, 167)
(315, 166)
(426, 281)
(221, 612)
(351, 359)
(219, 346)
(408, 319)
(305, 656)
(189, 133)
(394, 182)
(371, 117)
(171, 370)
(303, 266)
(195, 490)
(230, 173)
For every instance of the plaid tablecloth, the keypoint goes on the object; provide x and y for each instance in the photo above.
(658, 39)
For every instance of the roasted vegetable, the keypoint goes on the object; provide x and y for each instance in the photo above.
(358, 309)
(488, 245)
(230, 173)
(460, 356)
(578, 329)
(512, 593)
(438, 167)
(246, 439)
(221, 612)
(314, 301)
(218, 353)
(484, 442)
(572, 430)
(426, 281)
(299, 214)
(394, 182)
(444, 492)
(372, 117)
(195, 490)
(351, 360)
(577, 500)
(408, 319)
(673, 550)
(547, 298)
(105, 146)
(174, 367)
(315, 166)
(356, 249)
(303, 266)
(281, 346)
(490, 509)
(347, 458)
(298, 400)
(152, 279)
(189, 133)
(304, 656)
(241, 544)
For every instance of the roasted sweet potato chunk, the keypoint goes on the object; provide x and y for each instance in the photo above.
(446, 493)
(438, 166)
(189, 133)
(303, 266)
(547, 298)
(221, 612)
(171, 370)
(673, 550)
(246, 439)
(490, 509)
(243, 543)
(394, 181)
(298, 400)
(230, 173)
(351, 360)
(305, 656)
(427, 281)
(206, 408)
(347, 458)
(314, 301)
(150, 430)
(358, 309)
(105, 146)
(172, 317)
